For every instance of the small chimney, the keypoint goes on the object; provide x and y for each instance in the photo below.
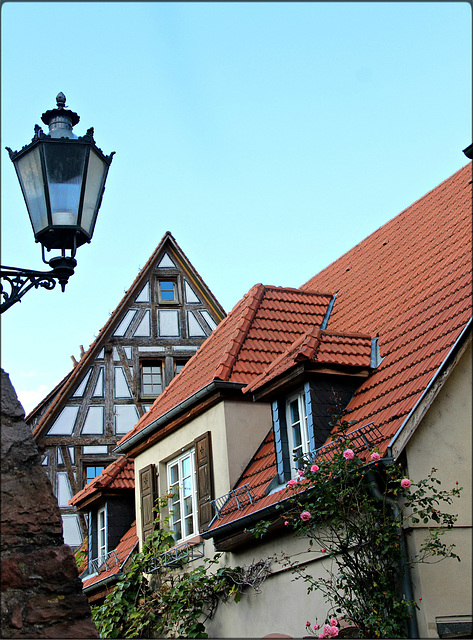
(469, 152)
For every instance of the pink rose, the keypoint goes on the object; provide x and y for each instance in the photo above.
(316, 626)
(314, 468)
(333, 622)
(348, 454)
(327, 628)
(322, 550)
(405, 483)
(305, 516)
(333, 632)
(307, 624)
(375, 456)
(300, 472)
(292, 483)
(286, 523)
(321, 635)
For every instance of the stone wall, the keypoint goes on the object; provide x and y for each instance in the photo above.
(41, 592)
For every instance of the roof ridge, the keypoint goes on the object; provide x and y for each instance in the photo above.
(254, 297)
(309, 344)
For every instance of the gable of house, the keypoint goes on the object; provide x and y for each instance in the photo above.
(159, 324)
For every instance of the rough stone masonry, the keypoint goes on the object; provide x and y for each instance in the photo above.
(41, 592)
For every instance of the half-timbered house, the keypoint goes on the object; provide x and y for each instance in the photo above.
(159, 324)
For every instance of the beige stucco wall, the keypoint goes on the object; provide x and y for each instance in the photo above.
(283, 605)
(444, 440)
(237, 430)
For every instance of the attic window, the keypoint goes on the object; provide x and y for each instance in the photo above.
(92, 471)
(167, 290)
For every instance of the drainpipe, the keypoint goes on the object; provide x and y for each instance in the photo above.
(406, 584)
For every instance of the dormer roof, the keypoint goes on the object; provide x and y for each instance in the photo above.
(113, 566)
(118, 475)
(261, 327)
(321, 351)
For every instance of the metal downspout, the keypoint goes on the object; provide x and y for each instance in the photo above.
(406, 584)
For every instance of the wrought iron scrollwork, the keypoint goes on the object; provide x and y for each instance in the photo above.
(16, 282)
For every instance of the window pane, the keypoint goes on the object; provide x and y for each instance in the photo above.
(188, 506)
(181, 480)
(152, 382)
(189, 524)
(186, 466)
(187, 487)
(166, 290)
(296, 434)
(92, 472)
(174, 474)
(294, 411)
(177, 531)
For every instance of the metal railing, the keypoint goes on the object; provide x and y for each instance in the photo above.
(362, 439)
(177, 556)
(98, 564)
(235, 499)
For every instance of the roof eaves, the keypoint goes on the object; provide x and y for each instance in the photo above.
(408, 427)
(190, 401)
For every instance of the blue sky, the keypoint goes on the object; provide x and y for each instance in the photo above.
(269, 138)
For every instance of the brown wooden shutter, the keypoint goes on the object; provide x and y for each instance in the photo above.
(203, 460)
(148, 497)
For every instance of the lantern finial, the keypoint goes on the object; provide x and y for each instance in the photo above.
(60, 100)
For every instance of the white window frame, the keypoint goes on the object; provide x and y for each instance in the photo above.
(304, 446)
(102, 548)
(178, 519)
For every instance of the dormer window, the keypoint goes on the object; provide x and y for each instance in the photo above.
(297, 431)
(101, 535)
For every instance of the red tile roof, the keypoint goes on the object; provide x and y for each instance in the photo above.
(119, 474)
(411, 282)
(115, 561)
(322, 348)
(258, 329)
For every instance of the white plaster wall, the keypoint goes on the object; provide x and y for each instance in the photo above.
(237, 430)
(444, 440)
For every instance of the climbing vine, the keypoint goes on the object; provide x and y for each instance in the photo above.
(174, 603)
(355, 515)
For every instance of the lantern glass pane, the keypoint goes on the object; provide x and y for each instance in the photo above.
(65, 169)
(93, 191)
(31, 180)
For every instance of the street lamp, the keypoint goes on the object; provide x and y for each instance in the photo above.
(62, 178)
